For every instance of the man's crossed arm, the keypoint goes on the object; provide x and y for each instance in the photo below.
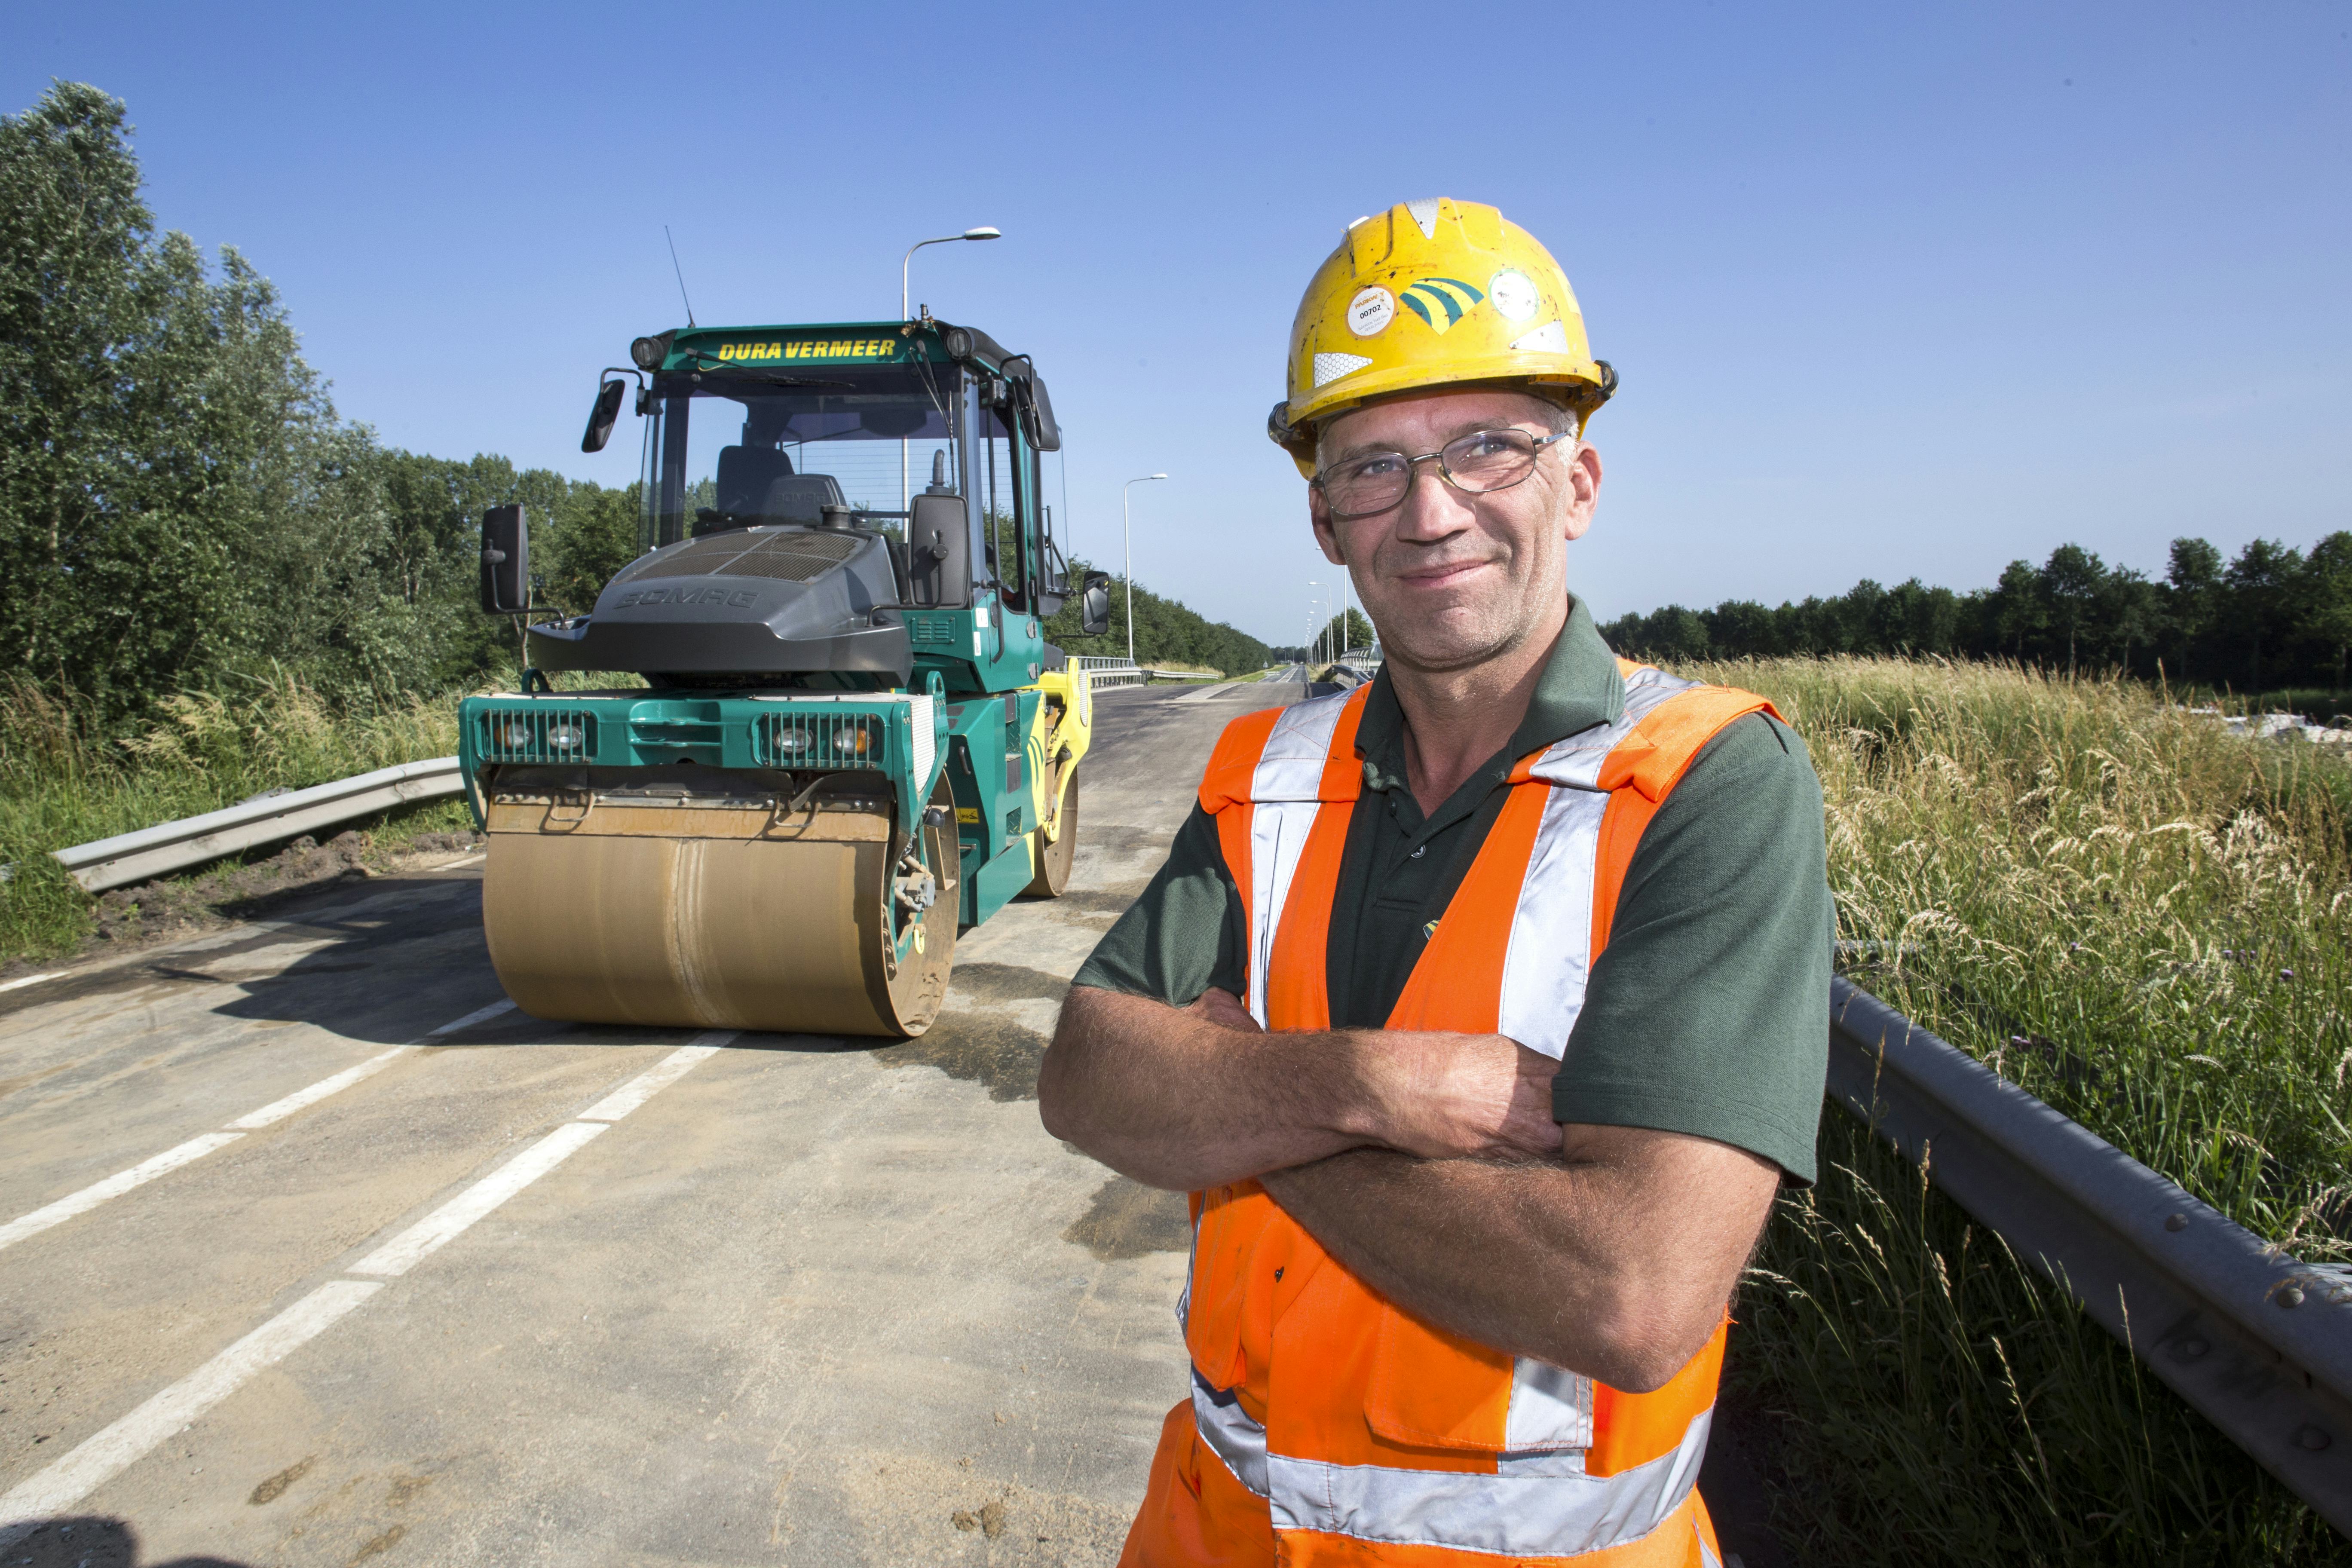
(1428, 1162)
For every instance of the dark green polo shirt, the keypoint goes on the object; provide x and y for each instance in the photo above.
(1707, 1012)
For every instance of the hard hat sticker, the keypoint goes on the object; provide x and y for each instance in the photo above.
(1514, 293)
(1448, 297)
(1330, 367)
(1551, 337)
(1370, 311)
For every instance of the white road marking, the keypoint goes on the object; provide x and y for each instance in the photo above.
(100, 1459)
(31, 980)
(655, 1079)
(138, 1175)
(477, 1015)
(1207, 693)
(114, 1186)
(445, 1224)
(279, 1110)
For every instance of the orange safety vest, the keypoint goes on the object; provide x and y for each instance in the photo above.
(1327, 1427)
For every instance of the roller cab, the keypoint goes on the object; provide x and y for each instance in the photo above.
(813, 729)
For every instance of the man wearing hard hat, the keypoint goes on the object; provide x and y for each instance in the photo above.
(1481, 1010)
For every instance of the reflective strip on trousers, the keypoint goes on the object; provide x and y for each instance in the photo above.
(1530, 1510)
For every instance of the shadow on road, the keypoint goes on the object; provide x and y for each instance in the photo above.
(364, 927)
(93, 1543)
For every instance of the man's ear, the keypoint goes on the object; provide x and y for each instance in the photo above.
(1584, 492)
(1327, 537)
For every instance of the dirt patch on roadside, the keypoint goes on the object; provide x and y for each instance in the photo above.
(1128, 1219)
(125, 920)
(996, 1052)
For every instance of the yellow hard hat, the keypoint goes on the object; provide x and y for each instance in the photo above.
(1428, 294)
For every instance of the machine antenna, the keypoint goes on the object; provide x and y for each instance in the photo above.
(674, 267)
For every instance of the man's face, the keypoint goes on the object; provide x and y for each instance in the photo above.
(1450, 579)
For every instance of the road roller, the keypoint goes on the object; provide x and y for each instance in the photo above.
(813, 729)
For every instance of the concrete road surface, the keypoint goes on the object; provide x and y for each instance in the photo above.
(305, 1257)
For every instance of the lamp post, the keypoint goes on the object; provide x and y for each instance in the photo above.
(1314, 621)
(1127, 529)
(983, 232)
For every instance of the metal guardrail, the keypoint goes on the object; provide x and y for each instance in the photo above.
(2258, 1343)
(154, 851)
(1104, 673)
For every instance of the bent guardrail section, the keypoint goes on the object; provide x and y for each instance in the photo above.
(173, 846)
(2258, 1343)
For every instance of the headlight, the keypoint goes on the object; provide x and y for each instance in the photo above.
(792, 743)
(852, 742)
(565, 737)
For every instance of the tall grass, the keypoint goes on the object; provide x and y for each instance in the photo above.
(2143, 920)
(61, 783)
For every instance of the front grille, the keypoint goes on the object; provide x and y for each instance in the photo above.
(787, 554)
(538, 735)
(821, 740)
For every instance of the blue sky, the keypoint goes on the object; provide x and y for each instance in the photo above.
(1894, 290)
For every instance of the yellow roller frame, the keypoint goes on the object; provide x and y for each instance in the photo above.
(1064, 724)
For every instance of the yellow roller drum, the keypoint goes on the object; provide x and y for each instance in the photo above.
(715, 915)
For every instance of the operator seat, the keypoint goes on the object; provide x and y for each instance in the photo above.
(744, 475)
(800, 498)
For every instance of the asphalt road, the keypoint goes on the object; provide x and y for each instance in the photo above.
(532, 1292)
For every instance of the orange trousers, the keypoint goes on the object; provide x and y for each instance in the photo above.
(1196, 1515)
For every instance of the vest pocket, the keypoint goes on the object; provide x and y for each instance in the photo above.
(1434, 1389)
(1250, 1261)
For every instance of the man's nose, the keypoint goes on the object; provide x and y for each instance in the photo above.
(1432, 508)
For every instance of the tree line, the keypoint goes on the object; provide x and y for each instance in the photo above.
(2271, 618)
(1166, 632)
(182, 509)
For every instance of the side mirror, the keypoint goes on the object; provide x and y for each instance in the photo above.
(939, 552)
(1093, 607)
(601, 418)
(505, 561)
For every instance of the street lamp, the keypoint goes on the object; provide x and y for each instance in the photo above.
(982, 232)
(1127, 529)
(1314, 621)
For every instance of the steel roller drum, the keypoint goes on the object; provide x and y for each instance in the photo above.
(710, 916)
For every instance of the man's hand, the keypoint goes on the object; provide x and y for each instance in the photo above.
(1224, 1009)
(1429, 1165)
(1195, 1097)
(1456, 1094)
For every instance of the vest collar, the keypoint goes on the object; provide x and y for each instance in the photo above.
(1579, 688)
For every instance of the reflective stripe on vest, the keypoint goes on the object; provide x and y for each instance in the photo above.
(1534, 1506)
(1391, 1430)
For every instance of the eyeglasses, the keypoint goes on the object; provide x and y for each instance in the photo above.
(1477, 464)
